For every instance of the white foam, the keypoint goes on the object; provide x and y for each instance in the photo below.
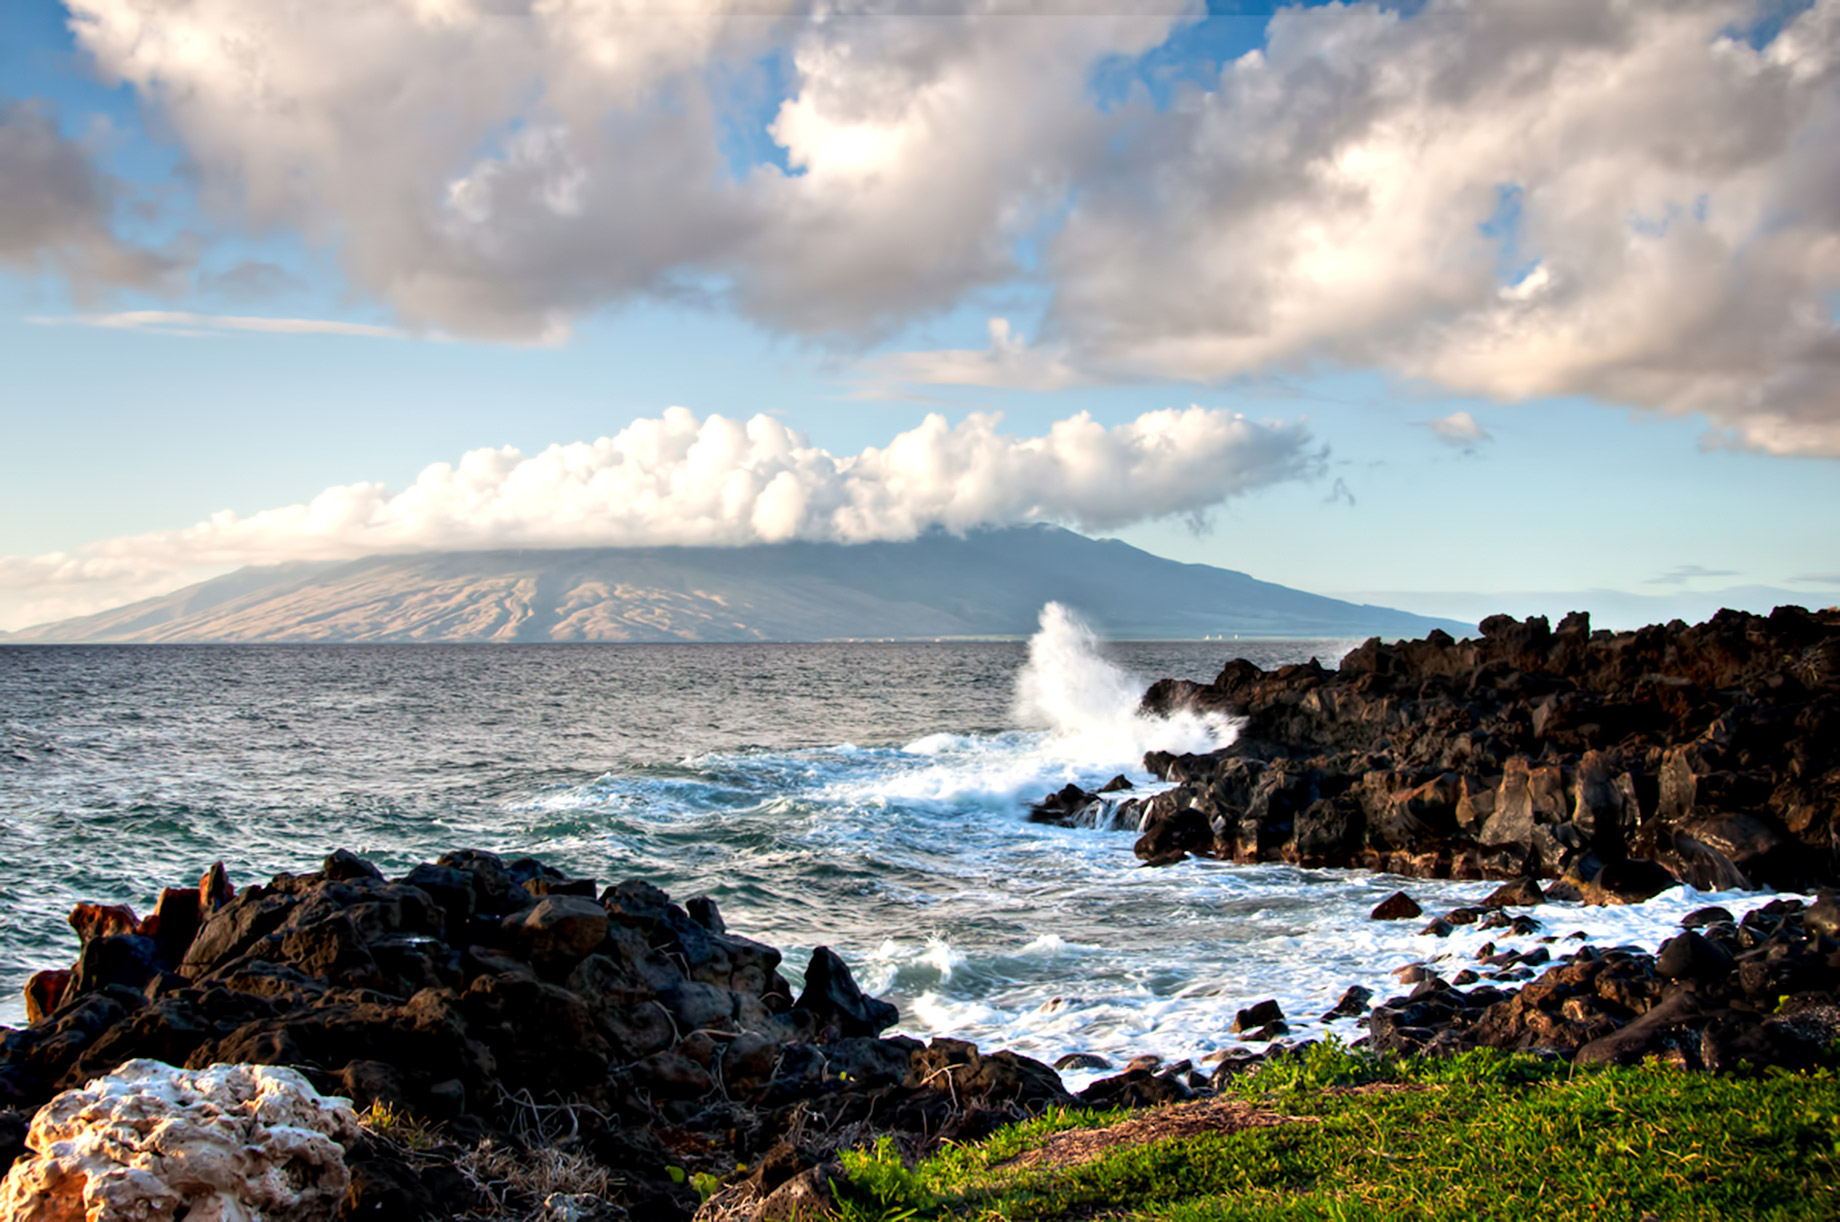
(1081, 725)
(1089, 705)
(1049, 944)
(1183, 1005)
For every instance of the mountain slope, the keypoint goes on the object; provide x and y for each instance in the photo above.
(990, 583)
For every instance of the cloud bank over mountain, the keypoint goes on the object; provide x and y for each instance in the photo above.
(1630, 201)
(681, 480)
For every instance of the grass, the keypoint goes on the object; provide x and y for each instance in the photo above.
(1483, 1135)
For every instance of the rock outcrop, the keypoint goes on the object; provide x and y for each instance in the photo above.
(1618, 762)
(502, 1000)
(1721, 995)
(156, 1143)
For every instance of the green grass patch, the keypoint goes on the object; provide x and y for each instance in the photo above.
(1483, 1135)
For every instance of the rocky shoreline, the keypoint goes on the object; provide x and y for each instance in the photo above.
(501, 1010)
(497, 1014)
(1617, 763)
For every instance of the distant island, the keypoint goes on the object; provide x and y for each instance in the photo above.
(986, 584)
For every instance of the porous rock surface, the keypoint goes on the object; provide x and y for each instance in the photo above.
(149, 1142)
(1619, 763)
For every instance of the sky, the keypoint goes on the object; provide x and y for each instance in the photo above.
(1450, 305)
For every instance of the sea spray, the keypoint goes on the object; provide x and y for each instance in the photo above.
(1089, 704)
(1081, 725)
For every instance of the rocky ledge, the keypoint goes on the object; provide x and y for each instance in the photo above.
(506, 1004)
(1619, 763)
(1723, 995)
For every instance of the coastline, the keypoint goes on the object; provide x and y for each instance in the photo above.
(475, 1001)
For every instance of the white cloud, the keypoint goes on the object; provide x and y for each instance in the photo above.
(180, 322)
(1580, 197)
(1333, 198)
(714, 481)
(1458, 429)
(1008, 362)
(497, 172)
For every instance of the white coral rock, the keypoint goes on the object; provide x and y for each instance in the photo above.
(150, 1143)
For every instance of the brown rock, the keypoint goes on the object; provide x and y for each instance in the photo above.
(1521, 893)
(45, 992)
(93, 921)
(1396, 907)
(214, 889)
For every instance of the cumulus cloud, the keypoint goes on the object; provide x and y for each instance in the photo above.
(1583, 197)
(568, 153)
(1459, 429)
(55, 207)
(714, 481)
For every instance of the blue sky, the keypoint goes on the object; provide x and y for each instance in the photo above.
(1495, 329)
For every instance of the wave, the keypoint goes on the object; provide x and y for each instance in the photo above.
(1090, 706)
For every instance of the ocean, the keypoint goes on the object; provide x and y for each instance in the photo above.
(869, 797)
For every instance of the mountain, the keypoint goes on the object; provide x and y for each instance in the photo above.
(986, 584)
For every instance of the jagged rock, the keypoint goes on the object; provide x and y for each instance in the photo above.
(1062, 806)
(1396, 907)
(45, 992)
(832, 997)
(1353, 1002)
(151, 1141)
(103, 921)
(1617, 763)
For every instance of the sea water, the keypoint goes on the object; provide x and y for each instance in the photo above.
(869, 797)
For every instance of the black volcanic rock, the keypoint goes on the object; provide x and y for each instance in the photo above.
(1614, 763)
(499, 989)
(1685, 1005)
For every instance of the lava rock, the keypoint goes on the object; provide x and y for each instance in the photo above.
(1396, 907)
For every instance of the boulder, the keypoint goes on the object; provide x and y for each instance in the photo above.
(1690, 956)
(560, 931)
(93, 921)
(1396, 907)
(151, 1141)
(833, 999)
(1257, 1016)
